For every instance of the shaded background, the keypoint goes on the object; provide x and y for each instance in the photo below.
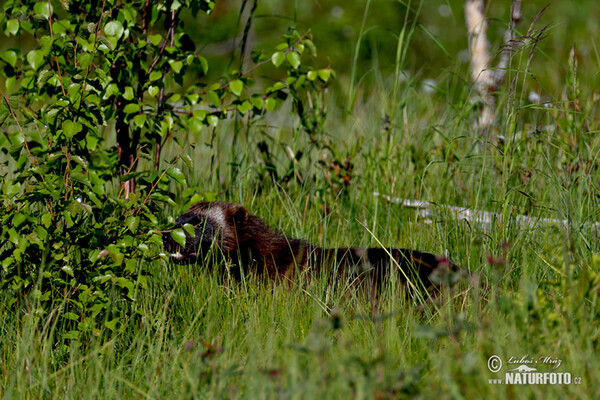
(437, 50)
(436, 55)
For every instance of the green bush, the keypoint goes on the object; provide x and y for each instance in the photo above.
(87, 109)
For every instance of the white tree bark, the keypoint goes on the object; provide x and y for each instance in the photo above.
(485, 79)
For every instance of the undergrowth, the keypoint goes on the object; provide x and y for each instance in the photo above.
(531, 294)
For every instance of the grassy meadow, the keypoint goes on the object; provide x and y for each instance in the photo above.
(533, 292)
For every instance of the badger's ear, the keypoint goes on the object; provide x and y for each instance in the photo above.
(239, 214)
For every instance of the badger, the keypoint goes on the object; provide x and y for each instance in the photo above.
(248, 245)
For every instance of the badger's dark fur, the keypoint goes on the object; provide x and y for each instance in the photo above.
(229, 231)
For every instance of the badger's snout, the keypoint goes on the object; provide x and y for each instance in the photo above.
(201, 233)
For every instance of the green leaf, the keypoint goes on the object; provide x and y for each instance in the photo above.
(12, 27)
(257, 102)
(105, 44)
(200, 114)
(10, 188)
(112, 324)
(111, 90)
(85, 59)
(155, 75)
(277, 86)
(91, 142)
(213, 98)
(46, 44)
(144, 248)
(203, 64)
(277, 58)
(128, 95)
(300, 81)
(47, 220)
(153, 91)
(68, 219)
(176, 5)
(311, 47)
(139, 120)
(312, 75)
(10, 57)
(71, 128)
(294, 59)
(73, 90)
(18, 219)
(114, 29)
(178, 236)
(176, 66)
(71, 335)
(189, 228)
(324, 74)
(176, 174)
(126, 283)
(132, 223)
(27, 82)
(192, 98)
(35, 58)
(8, 262)
(71, 316)
(195, 124)
(167, 122)
(244, 107)
(42, 8)
(117, 258)
(131, 108)
(236, 87)
(155, 39)
(213, 120)
(188, 161)
(59, 27)
(83, 296)
(162, 198)
(270, 104)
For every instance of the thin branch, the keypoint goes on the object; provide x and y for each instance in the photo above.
(260, 64)
(67, 174)
(31, 157)
(62, 86)
(485, 219)
(161, 176)
(171, 35)
(87, 71)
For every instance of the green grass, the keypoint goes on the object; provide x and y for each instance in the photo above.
(202, 337)
(199, 336)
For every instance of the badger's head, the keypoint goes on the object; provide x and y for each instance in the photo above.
(214, 227)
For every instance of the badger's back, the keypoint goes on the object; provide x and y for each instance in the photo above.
(249, 245)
